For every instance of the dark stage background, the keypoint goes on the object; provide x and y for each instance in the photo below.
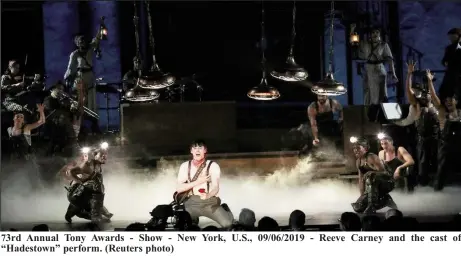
(219, 41)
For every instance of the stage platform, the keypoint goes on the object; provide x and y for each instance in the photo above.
(324, 222)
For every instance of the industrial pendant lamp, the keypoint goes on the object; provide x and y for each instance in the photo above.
(291, 71)
(329, 86)
(156, 79)
(263, 91)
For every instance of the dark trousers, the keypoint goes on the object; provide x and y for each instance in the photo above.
(447, 159)
(427, 159)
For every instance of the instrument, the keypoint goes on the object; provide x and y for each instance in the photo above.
(138, 94)
(61, 96)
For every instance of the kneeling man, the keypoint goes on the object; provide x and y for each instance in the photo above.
(199, 179)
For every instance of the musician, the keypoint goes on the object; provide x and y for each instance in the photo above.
(424, 112)
(450, 139)
(202, 191)
(86, 193)
(397, 159)
(376, 53)
(21, 145)
(375, 182)
(61, 111)
(452, 61)
(80, 69)
(321, 115)
(130, 78)
(12, 83)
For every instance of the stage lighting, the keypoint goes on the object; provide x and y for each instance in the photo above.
(354, 39)
(103, 29)
(329, 86)
(291, 71)
(381, 136)
(263, 91)
(353, 139)
(104, 145)
(86, 150)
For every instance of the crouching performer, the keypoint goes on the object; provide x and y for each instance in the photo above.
(86, 190)
(198, 187)
(375, 182)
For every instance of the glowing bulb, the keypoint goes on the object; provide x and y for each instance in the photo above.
(104, 145)
(353, 139)
(85, 150)
(340, 88)
(381, 135)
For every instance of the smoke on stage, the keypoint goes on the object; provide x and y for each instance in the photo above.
(131, 195)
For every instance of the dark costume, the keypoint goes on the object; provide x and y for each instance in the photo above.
(378, 185)
(327, 125)
(23, 157)
(63, 138)
(452, 80)
(86, 200)
(10, 98)
(392, 165)
(449, 142)
(428, 133)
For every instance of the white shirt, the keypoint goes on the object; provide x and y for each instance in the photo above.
(215, 173)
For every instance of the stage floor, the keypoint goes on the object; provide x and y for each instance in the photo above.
(313, 222)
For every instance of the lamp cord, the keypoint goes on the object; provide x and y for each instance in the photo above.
(331, 50)
(263, 41)
(293, 29)
(151, 37)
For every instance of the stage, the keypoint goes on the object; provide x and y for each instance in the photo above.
(324, 222)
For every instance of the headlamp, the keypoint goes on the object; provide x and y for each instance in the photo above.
(353, 139)
(86, 150)
(381, 136)
(104, 145)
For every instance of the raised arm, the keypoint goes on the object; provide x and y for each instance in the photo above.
(215, 173)
(41, 120)
(410, 94)
(312, 114)
(430, 85)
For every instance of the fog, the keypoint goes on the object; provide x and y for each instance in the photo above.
(132, 196)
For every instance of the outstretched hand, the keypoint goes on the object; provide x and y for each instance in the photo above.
(411, 64)
(429, 75)
(40, 108)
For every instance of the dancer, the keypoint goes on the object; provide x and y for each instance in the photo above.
(398, 160)
(375, 52)
(450, 139)
(198, 179)
(86, 193)
(424, 109)
(321, 116)
(375, 182)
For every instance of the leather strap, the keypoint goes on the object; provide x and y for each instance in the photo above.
(199, 171)
(208, 173)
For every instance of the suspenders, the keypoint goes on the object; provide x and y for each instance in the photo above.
(207, 173)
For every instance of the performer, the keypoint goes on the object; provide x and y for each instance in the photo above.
(375, 182)
(21, 143)
(398, 160)
(130, 78)
(424, 109)
(86, 193)
(202, 188)
(61, 113)
(376, 53)
(321, 116)
(12, 83)
(452, 61)
(450, 139)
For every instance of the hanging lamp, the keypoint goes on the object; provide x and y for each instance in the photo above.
(291, 71)
(263, 91)
(329, 86)
(156, 79)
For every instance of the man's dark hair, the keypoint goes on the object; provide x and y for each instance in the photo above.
(371, 223)
(297, 219)
(350, 221)
(268, 224)
(198, 143)
(454, 31)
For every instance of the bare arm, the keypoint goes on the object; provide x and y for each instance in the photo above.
(312, 113)
(409, 119)
(407, 157)
(215, 172)
(410, 95)
(40, 121)
(430, 84)
(6, 83)
(376, 163)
